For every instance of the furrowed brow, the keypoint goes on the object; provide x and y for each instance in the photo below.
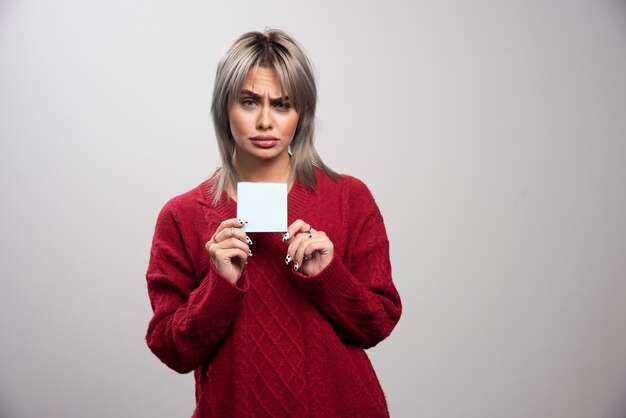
(253, 95)
(280, 100)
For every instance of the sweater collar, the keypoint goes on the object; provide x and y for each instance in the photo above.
(297, 199)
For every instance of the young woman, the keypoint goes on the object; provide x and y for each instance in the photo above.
(272, 324)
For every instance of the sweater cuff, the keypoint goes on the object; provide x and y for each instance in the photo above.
(333, 281)
(219, 294)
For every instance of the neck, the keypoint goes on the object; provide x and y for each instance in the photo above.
(277, 170)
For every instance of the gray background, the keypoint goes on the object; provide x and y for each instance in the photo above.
(490, 132)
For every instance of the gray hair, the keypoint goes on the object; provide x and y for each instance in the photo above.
(272, 49)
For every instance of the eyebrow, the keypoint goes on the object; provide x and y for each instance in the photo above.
(255, 96)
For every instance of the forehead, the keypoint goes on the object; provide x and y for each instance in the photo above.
(263, 81)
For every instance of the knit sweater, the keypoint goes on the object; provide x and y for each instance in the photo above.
(277, 343)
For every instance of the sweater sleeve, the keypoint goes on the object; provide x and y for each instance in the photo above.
(189, 318)
(358, 296)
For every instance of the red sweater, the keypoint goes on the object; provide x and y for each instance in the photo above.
(278, 343)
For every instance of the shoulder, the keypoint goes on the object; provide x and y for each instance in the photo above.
(186, 204)
(348, 187)
(349, 200)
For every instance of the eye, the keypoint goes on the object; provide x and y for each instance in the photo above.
(247, 102)
(283, 106)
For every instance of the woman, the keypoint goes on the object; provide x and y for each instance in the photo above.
(280, 332)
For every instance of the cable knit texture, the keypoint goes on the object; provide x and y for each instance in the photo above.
(278, 343)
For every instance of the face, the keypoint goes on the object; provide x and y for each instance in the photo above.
(262, 120)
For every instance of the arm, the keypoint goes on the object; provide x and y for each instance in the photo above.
(189, 318)
(354, 291)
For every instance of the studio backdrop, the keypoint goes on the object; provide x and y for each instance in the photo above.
(491, 134)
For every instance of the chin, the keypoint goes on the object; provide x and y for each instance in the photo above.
(268, 154)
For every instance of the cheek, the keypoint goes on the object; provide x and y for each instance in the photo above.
(238, 123)
(293, 124)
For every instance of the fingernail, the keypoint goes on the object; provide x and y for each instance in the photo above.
(250, 253)
(242, 221)
(287, 259)
(285, 236)
(296, 266)
(248, 240)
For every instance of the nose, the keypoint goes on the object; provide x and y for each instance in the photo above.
(265, 120)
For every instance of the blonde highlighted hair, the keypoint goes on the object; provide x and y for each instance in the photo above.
(277, 50)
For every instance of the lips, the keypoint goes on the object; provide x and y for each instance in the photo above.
(264, 141)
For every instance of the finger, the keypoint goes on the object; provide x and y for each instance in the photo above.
(233, 232)
(232, 222)
(293, 247)
(295, 251)
(309, 248)
(295, 228)
(295, 241)
(229, 243)
(225, 256)
(238, 239)
(224, 230)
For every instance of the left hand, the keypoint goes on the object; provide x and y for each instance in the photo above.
(310, 250)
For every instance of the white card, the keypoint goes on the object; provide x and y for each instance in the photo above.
(263, 205)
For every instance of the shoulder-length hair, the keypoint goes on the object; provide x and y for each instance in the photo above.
(271, 49)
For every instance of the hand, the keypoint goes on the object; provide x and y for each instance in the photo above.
(229, 248)
(310, 250)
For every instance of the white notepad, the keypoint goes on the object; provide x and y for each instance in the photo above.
(263, 205)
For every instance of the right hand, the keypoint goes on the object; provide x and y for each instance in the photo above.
(229, 248)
